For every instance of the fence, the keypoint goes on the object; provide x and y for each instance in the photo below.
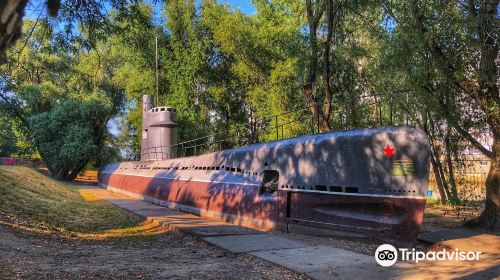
(28, 162)
(378, 108)
(469, 176)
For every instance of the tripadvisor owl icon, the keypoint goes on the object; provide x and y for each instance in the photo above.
(386, 255)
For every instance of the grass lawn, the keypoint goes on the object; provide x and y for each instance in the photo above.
(32, 201)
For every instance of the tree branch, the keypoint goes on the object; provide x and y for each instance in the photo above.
(11, 108)
(456, 125)
(387, 8)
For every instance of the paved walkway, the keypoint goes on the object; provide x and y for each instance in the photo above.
(317, 262)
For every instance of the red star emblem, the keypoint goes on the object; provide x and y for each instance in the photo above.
(389, 152)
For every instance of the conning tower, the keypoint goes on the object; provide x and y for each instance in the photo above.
(159, 131)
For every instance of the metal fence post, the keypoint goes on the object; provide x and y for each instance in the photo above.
(408, 106)
(390, 109)
(318, 120)
(277, 130)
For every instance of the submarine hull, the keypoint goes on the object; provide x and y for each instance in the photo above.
(333, 181)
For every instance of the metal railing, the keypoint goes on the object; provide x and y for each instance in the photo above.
(276, 125)
(16, 161)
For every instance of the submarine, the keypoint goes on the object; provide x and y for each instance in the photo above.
(370, 182)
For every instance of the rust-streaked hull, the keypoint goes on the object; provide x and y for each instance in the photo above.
(387, 218)
(231, 203)
(338, 180)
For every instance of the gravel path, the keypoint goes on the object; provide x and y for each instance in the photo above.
(170, 255)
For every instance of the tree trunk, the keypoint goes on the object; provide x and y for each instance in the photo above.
(437, 161)
(61, 173)
(439, 180)
(453, 186)
(437, 176)
(487, 98)
(354, 112)
(484, 90)
(442, 175)
(316, 108)
(74, 173)
(325, 125)
(490, 216)
(11, 24)
(313, 18)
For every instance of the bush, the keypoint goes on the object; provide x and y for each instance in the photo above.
(69, 135)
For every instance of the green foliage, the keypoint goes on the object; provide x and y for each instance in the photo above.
(229, 73)
(59, 102)
(185, 65)
(7, 137)
(260, 54)
(67, 135)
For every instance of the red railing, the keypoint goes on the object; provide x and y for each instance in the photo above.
(7, 161)
(35, 163)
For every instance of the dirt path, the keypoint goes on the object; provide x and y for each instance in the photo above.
(170, 255)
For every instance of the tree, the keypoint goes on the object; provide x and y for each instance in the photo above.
(64, 101)
(460, 42)
(132, 48)
(261, 58)
(91, 15)
(275, 73)
(7, 137)
(328, 42)
(68, 136)
(186, 64)
(14, 137)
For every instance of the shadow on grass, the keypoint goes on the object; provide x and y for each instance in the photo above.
(144, 230)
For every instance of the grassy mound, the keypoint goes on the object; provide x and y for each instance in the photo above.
(33, 201)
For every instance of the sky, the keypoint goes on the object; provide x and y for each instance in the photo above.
(244, 6)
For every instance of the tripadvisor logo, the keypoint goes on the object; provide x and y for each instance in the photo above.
(387, 255)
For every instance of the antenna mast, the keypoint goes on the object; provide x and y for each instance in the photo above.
(157, 86)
